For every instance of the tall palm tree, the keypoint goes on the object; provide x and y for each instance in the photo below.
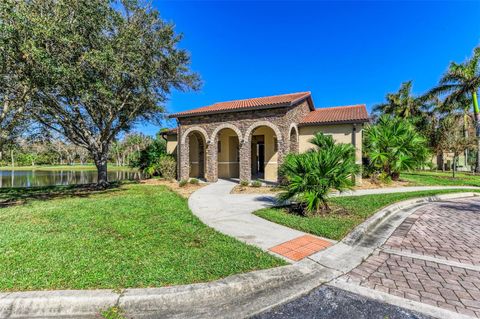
(402, 103)
(459, 108)
(460, 80)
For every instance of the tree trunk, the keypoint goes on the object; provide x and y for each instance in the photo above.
(476, 111)
(395, 176)
(465, 134)
(454, 168)
(101, 164)
(13, 161)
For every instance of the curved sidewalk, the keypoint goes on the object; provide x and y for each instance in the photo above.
(231, 214)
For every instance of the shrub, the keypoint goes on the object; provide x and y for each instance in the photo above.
(183, 183)
(149, 170)
(166, 167)
(194, 181)
(150, 155)
(394, 145)
(244, 183)
(312, 175)
(256, 183)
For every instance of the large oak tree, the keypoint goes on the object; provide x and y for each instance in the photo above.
(15, 84)
(99, 67)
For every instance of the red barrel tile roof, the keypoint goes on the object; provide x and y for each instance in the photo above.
(274, 101)
(338, 114)
(172, 131)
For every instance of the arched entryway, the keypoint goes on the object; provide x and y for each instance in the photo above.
(293, 139)
(193, 154)
(264, 152)
(227, 144)
(196, 158)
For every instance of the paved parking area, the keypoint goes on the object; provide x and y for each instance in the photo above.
(432, 258)
(332, 303)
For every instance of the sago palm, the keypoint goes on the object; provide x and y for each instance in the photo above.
(460, 80)
(394, 145)
(312, 175)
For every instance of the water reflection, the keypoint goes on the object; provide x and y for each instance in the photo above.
(31, 178)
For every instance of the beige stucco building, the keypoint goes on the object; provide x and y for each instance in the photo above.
(248, 139)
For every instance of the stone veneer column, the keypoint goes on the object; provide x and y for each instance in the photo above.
(282, 151)
(211, 174)
(185, 159)
(245, 161)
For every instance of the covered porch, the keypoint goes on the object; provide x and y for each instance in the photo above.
(226, 153)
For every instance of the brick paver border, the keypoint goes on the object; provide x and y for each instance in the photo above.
(300, 247)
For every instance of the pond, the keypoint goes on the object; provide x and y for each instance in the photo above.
(45, 177)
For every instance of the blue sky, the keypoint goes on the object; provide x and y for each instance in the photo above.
(343, 52)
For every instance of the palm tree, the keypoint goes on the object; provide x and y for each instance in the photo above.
(393, 145)
(402, 103)
(459, 108)
(312, 175)
(460, 80)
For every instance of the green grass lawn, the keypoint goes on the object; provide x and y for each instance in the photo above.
(352, 211)
(440, 178)
(129, 236)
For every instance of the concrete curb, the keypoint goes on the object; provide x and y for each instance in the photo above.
(237, 296)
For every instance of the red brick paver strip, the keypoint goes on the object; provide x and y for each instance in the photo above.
(301, 247)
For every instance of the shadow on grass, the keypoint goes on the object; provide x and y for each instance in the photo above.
(21, 195)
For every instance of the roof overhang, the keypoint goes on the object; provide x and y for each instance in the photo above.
(243, 109)
(335, 122)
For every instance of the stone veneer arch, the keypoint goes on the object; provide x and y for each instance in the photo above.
(248, 133)
(293, 127)
(224, 126)
(195, 129)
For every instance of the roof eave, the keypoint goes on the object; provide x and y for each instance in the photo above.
(307, 97)
(360, 121)
(263, 107)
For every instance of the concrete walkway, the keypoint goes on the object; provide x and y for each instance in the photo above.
(231, 214)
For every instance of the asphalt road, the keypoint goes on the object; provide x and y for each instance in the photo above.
(328, 302)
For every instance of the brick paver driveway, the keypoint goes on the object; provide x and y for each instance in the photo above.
(432, 258)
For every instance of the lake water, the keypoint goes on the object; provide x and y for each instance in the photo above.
(39, 177)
